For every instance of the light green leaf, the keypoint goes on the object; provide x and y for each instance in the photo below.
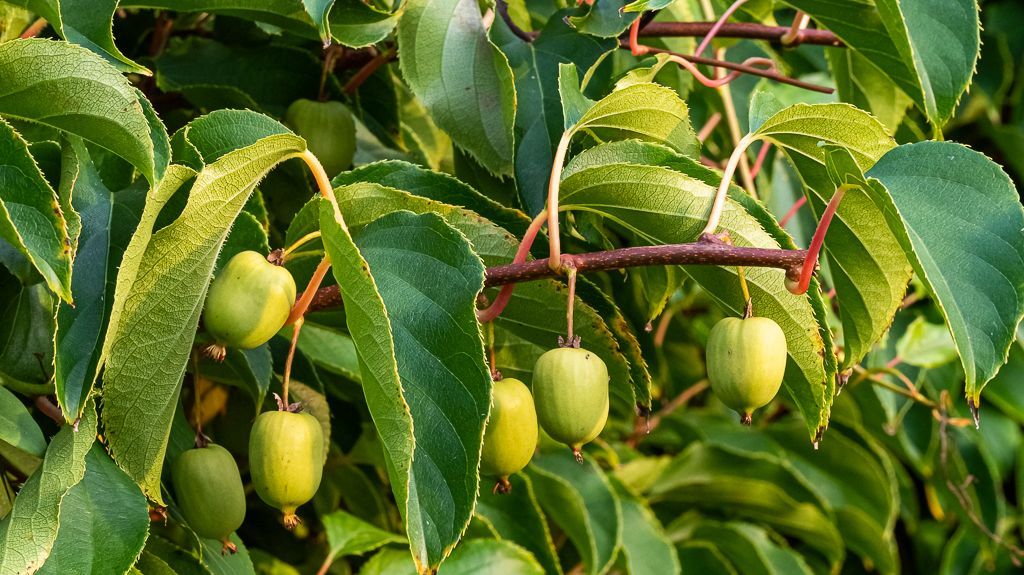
(350, 535)
(424, 377)
(30, 216)
(928, 47)
(17, 428)
(605, 19)
(104, 521)
(318, 11)
(580, 500)
(27, 535)
(749, 549)
(357, 24)
(220, 563)
(150, 335)
(490, 557)
(860, 83)
(868, 267)
(516, 516)
(926, 344)
(647, 112)
(330, 349)
(979, 291)
(88, 27)
(115, 115)
(461, 77)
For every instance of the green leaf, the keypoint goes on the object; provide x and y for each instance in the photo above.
(868, 267)
(150, 335)
(645, 545)
(490, 557)
(979, 291)
(330, 349)
(219, 563)
(104, 521)
(214, 75)
(207, 138)
(26, 329)
(605, 19)
(17, 428)
(539, 122)
(27, 535)
(318, 11)
(461, 77)
(704, 557)
(647, 112)
(424, 377)
(88, 27)
(926, 344)
(248, 369)
(114, 116)
(358, 24)
(928, 48)
(535, 316)
(350, 535)
(80, 328)
(662, 206)
(574, 103)
(30, 216)
(516, 516)
(580, 500)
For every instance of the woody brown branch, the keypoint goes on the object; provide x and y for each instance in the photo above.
(738, 30)
(697, 253)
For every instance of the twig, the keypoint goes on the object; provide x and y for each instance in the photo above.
(26, 388)
(368, 69)
(48, 409)
(793, 210)
(34, 29)
(709, 127)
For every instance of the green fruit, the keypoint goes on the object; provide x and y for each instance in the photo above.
(248, 302)
(210, 492)
(329, 131)
(746, 359)
(570, 386)
(511, 436)
(286, 459)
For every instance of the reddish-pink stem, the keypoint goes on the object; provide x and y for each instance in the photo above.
(718, 26)
(811, 261)
(765, 64)
(709, 127)
(505, 293)
(761, 155)
(793, 211)
(634, 45)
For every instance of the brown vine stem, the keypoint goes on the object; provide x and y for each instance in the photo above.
(739, 30)
(368, 70)
(643, 428)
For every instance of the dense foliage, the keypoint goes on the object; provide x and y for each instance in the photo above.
(388, 157)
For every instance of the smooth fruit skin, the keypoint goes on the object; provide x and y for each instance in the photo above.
(210, 492)
(570, 387)
(746, 360)
(286, 460)
(329, 131)
(248, 301)
(511, 435)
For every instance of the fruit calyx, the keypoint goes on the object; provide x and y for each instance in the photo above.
(747, 418)
(572, 341)
(502, 486)
(577, 453)
(276, 257)
(216, 352)
(227, 546)
(291, 520)
(290, 407)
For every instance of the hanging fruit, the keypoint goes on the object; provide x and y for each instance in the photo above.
(746, 361)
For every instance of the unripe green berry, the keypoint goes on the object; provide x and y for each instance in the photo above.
(746, 361)
(511, 435)
(570, 388)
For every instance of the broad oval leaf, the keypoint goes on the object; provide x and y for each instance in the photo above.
(150, 333)
(410, 307)
(580, 500)
(749, 549)
(645, 546)
(114, 115)
(350, 535)
(869, 268)
(17, 428)
(979, 291)
(31, 219)
(461, 77)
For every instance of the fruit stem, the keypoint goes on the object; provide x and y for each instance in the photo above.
(634, 45)
(298, 244)
(570, 305)
(811, 261)
(296, 328)
(723, 188)
(367, 70)
(554, 242)
(505, 293)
